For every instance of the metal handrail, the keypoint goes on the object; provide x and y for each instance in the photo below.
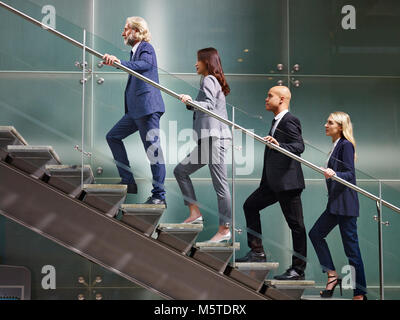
(195, 105)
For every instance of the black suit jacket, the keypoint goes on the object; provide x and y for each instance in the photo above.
(281, 173)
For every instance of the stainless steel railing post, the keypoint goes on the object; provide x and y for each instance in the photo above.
(83, 103)
(380, 240)
(233, 228)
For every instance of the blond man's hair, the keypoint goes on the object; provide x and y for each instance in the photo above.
(143, 33)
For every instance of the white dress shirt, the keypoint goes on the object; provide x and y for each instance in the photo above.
(330, 152)
(278, 119)
(134, 48)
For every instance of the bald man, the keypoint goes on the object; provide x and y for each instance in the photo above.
(282, 181)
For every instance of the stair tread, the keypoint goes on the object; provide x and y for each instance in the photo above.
(180, 226)
(10, 130)
(221, 245)
(138, 207)
(256, 265)
(35, 149)
(293, 283)
(318, 297)
(62, 167)
(114, 188)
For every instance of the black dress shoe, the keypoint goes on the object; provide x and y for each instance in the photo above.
(253, 256)
(290, 274)
(152, 200)
(132, 187)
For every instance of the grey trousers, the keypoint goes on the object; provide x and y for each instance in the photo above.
(211, 152)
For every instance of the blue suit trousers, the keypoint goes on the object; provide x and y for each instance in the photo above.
(348, 231)
(148, 127)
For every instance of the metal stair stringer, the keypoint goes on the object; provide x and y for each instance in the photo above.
(109, 243)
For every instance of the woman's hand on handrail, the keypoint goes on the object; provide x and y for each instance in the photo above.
(328, 173)
(185, 98)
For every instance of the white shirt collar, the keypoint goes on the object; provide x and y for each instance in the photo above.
(134, 48)
(278, 119)
(331, 151)
(335, 143)
(281, 114)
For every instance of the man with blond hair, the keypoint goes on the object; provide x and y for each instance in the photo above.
(144, 107)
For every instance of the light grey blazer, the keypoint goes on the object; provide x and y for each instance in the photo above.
(212, 98)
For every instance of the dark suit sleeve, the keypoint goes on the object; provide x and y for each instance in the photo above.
(292, 133)
(144, 62)
(348, 171)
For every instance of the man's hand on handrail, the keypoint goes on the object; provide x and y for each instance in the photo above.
(271, 140)
(110, 59)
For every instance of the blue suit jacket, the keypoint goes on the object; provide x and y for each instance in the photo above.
(141, 98)
(341, 199)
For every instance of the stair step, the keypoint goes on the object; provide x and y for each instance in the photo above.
(292, 284)
(257, 265)
(143, 217)
(215, 255)
(252, 274)
(180, 227)
(292, 288)
(217, 246)
(68, 178)
(32, 159)
(318, 297)
(179, 236)
(105, 197)
(9, 136)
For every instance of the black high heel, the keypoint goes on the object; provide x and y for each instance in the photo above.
(328, 293)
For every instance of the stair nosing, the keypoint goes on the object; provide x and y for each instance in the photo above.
(256, 265)
(14, 131)
(219, 245)
(65, 166)
(179, 227)
(142, 206)
(105, 186)
(290, 283)
(27, 148)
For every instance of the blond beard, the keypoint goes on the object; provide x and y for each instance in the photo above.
(130, 40)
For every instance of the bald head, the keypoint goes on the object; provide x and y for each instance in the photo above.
(282, 91)
(278, 99)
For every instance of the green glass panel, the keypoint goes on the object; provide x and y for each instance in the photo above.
(320, 44)
(244, 40)
(46, 108)
(26, 46)
(22, 247)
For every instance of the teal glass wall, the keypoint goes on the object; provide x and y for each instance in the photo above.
(260, 42)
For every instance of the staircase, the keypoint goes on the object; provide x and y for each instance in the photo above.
(46, 196)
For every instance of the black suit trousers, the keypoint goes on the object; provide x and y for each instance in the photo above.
(290, 202)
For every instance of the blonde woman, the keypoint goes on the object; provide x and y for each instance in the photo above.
(342, 208)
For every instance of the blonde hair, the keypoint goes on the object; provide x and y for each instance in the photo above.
(343, 119)
(139, 23)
